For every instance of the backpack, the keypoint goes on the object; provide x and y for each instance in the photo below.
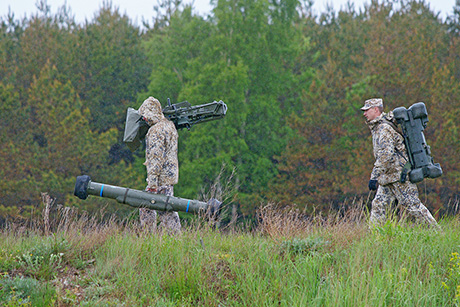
(135, 129)
(412, 122)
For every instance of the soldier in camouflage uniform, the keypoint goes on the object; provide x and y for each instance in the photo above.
(390, 157)
(161, 162)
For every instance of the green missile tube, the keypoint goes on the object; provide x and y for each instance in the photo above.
(141, 199)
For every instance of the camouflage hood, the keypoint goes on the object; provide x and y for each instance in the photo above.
(151, 111)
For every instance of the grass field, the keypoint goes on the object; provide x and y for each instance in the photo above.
(287, 260)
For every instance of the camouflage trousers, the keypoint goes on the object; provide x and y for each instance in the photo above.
(168, 220)
(407, 195)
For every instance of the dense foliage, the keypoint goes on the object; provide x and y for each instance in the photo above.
(293, 82)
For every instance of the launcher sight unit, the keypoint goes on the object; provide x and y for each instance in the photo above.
(182, 114)
(141, 199)
(413, 121)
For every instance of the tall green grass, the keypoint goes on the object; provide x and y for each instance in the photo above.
(288, 260)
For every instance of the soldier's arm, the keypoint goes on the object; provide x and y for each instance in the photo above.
(154, 155)
(385, 151)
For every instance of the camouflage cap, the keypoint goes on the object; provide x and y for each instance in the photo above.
(370, 103)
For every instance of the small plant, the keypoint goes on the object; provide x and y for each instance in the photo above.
(388, 230)
(43, 260)
(6, 261)
(18, 291)
(309, 246)
(452, 281)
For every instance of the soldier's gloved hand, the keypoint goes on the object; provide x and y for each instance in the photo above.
(373, 184)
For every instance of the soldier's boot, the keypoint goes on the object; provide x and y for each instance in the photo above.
(170, 222)
(378, 215)
(148, 219)
(423, 215)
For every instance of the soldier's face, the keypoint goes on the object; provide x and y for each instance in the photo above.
(371, 113)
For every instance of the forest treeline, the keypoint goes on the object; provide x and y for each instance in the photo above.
(293, 82)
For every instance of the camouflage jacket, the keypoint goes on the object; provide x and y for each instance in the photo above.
(161, 146)
(389, 150)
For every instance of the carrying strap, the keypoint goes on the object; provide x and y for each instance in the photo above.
(405, 171)
(398, 130)
(407, 166)
(392, 125)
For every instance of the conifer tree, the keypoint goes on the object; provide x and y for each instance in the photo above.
(63, 145)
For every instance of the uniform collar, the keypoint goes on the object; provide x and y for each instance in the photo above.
(375, 121)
